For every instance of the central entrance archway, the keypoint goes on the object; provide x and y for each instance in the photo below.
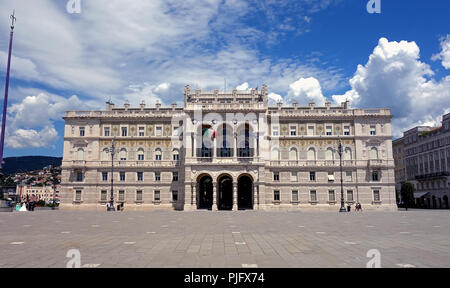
(225, 184)
(205, 193)
(245, 194)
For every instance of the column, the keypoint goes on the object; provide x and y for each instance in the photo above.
(235, 203)
(235, 146)
(194, 196)
(194, 146)
(214, 207)
(255, 197)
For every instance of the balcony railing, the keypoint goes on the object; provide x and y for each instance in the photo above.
(225, 152)
(205, 152)
(246, 152)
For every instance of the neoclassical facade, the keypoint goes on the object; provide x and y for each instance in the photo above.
(228, 151)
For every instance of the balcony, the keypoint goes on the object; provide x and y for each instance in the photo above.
(204, 152)
(245, 152)
(225, 152)
(436, 175)
(375, 163)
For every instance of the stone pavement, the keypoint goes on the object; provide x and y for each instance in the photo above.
(205, 239)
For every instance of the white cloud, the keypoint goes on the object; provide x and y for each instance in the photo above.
(30, 122)
(445, 52)
(242, 87)
(305, 90)
(395, 77)
(29, 138)
(274, 98)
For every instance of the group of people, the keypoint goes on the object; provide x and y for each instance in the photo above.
(358, 207)
(27, 206)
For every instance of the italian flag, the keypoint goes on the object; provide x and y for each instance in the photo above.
(209, 133)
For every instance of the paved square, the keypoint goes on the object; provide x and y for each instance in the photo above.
(225, 239)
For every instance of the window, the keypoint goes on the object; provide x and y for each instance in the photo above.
(174, 196)
(123, 154)
(157, 176)
(294, 177)
(158, 155)
(159, 130)
(82, 131)
(312, 176)
(275, 154)
(294, 195)
(350, 195)
(105, 154)
(104, 176)
(175, 131)
(347, 154)
(346, 130)
(348, 176)
(78, 195)
(375, 176)
(329, 154)
(293, 154)
(310, 130)
(330, 176)
(103, 195)
(275, 130)
(141, 154)
(107, 132)
(313, 195)
(331, 196)
(124, 132)
(293, 130)
(121, 195)
(376, 195)
(80, 154)
(311, 154)
(374, 154)
(373, 130)
(176, 155)
(140, 176)
(122, 176)
(276, 176)
(175, 176)
(276, 195)
(329, 130)
(80, 177)
(157, 195)
(139, 195)
(141, 131)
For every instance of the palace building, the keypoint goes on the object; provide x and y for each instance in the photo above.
(228, 151)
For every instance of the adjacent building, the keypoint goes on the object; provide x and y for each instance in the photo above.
(228, 151)
(426, 160)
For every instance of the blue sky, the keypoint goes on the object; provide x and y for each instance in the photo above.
(148, 50)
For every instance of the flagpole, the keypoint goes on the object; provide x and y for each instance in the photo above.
(5, 101)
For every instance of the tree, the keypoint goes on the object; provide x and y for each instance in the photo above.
(407, 192)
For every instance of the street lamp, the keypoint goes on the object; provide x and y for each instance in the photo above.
(342, 180)
(112, 150)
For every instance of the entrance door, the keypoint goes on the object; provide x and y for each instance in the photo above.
(225, 193)
(206, 193)
(245, 193)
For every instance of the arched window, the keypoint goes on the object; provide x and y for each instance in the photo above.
(374, 154)
(80, 154)
(293, 154)
(311, 154)
(329, 154)
(275, 154)
(176, 155)
(158, 155)
(140, 154)
(347, 154)
(105, 154)
(123, 154)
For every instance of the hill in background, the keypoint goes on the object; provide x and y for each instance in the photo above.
(29, 163)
